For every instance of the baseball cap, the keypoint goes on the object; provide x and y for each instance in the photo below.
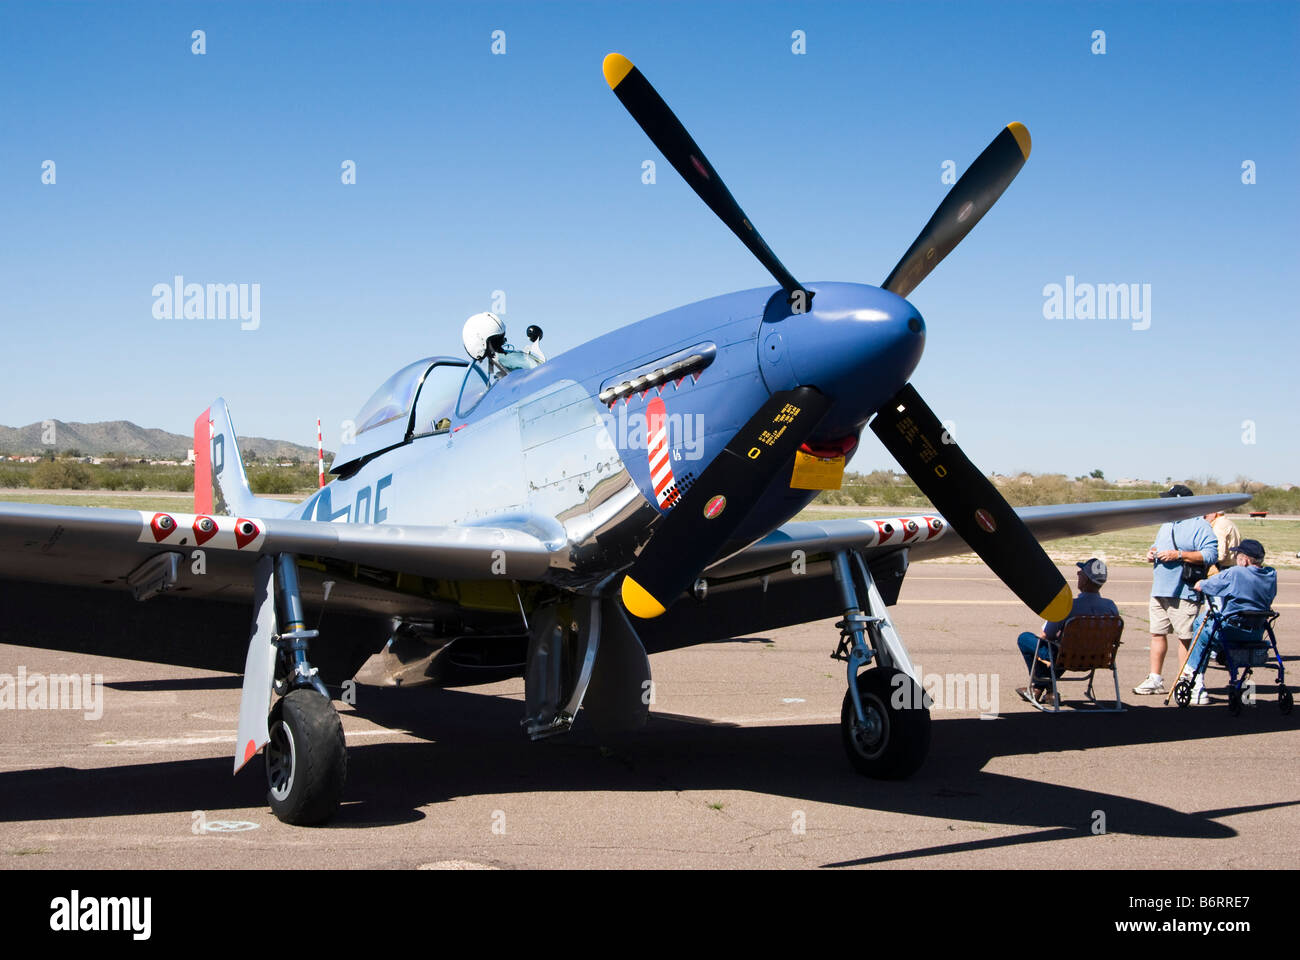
(1251, 548)
(1095, 570)
(1178, 490)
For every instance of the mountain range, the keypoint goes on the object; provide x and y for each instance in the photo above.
(124, 438)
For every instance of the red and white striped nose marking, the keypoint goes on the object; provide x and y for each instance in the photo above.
(661, 464)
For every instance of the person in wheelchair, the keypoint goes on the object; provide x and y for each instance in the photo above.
(1089, 602)
(1248, 588)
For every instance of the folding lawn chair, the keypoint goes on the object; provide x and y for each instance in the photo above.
(1086, 643)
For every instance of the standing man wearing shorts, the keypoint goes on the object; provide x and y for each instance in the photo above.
(1173, 601)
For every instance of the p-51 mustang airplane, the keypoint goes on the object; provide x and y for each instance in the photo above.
(562, 518)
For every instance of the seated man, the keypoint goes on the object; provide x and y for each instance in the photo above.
(1247, 587)
(1089, 602)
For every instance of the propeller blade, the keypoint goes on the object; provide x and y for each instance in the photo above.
(695, 529)
(968, 200)
(970, 503)
(666, 131)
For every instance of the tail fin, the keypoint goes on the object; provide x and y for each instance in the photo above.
(220, 484)
(203, 463)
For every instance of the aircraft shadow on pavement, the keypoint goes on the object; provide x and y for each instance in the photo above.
(470, 744)
(213, 682)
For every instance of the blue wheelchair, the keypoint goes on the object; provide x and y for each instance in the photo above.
(1242, 641)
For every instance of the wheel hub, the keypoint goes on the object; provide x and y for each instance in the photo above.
(867, 737)
(280, 760)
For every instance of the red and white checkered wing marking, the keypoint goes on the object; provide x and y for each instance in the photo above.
(661, 464)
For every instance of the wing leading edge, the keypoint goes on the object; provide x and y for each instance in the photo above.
(93, 545)
(1046, 523)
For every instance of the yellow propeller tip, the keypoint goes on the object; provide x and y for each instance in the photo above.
(1060, 606)
(616, 67)
(1018, 130)
(638, 601)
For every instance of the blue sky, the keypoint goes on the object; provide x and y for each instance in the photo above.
(522, 173)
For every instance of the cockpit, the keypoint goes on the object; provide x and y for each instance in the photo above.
(423, 398)
(418, 400)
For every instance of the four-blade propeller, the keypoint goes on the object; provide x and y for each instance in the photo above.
(698, 525)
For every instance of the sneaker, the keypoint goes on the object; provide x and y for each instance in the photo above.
(1200, 696)
(1041, 695)
(1154, 683)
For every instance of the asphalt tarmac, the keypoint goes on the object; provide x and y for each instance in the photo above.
(740, 766)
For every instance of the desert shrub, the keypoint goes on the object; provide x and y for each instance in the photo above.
(61, 475)
(273, 480)
(1275, 500)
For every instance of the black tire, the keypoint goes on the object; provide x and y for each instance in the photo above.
(898, 745)
(1284, 700)
(1234, 701)
(306, 759)
(1183, 692)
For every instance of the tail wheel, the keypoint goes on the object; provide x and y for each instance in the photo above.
(1183, 692)
(306, 759)
(894, 741)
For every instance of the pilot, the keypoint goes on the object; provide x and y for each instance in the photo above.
(484, 336)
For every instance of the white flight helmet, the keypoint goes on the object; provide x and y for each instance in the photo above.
(483, 331)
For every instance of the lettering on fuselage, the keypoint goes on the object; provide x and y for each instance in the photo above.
(366, 507)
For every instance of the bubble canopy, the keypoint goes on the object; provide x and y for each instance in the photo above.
(395, 396)
(386, 419)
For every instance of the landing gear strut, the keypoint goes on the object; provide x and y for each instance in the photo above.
(885, 716)
(306, 757)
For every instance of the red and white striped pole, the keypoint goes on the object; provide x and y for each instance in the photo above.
(320, 453)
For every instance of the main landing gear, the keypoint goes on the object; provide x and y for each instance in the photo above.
(885, 717)
(306, 756)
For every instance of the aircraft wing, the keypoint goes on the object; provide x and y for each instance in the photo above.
(69, 575)
(890, 535)
(87, 546)
(785, 578)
